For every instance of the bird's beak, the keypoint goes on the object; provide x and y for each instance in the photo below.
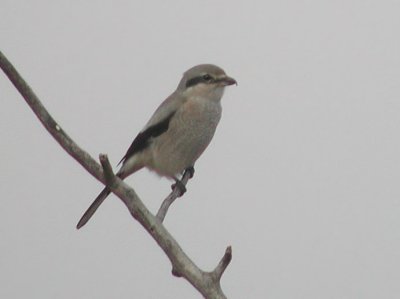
(225, 81)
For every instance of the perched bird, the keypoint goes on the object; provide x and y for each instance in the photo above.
(179, 130)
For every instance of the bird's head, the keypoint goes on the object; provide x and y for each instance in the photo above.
(205, 79)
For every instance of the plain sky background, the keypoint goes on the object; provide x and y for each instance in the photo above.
(302, 177)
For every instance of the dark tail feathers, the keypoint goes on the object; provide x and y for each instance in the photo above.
(93, 207)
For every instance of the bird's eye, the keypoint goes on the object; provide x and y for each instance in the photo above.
(207, 78)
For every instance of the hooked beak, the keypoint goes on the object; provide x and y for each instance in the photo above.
(225, 81)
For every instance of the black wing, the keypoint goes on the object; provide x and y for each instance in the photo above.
(144, 138)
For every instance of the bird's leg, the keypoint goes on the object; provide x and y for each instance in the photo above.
(181, 187)
(178, 182)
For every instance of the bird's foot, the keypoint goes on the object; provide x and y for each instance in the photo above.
(181, 187)
(190, 170)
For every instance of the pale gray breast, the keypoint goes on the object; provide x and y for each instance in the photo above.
(189, 134)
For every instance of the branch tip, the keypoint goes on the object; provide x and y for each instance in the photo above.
(223, 264)
(176, 273)
(107, 168)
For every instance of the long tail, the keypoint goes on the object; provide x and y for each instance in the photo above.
(93, 207)
(128, 167)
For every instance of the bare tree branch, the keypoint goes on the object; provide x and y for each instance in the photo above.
(108, 172)
(48, 122)
(207, 283)
(223, 264)
(168, 201)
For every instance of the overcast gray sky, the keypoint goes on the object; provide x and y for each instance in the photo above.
(302, 177)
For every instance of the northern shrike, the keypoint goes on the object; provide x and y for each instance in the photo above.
(179, 130)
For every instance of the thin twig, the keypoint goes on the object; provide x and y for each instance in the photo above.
(168, 201)
(107, 168)
(223, 264)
